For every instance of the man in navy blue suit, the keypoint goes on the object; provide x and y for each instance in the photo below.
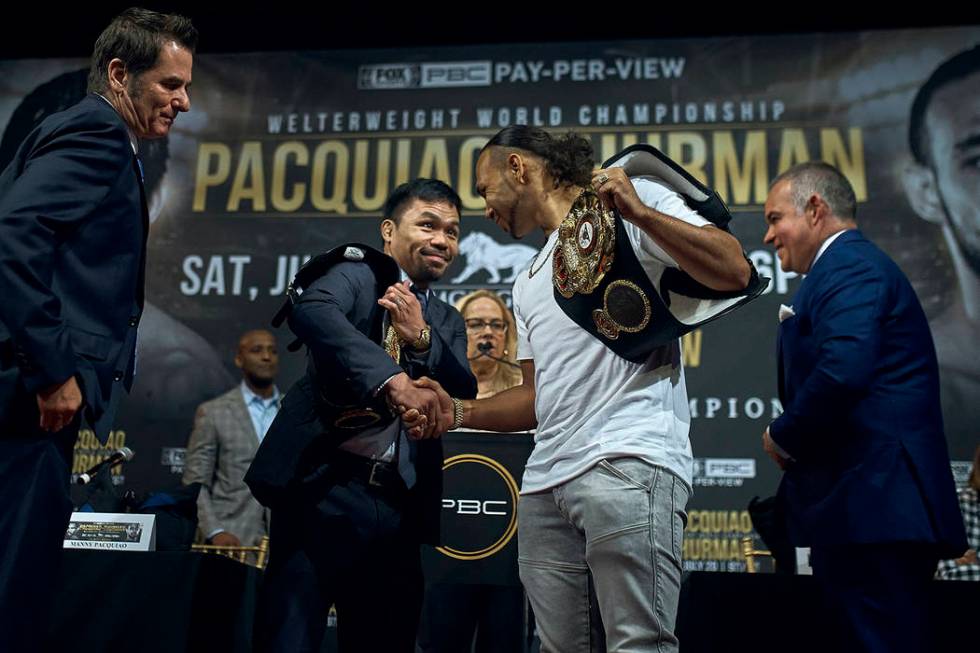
(352, 497)
(73, 223)
(867, 480)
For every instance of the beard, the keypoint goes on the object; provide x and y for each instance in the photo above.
(425, 271)
(261, 381)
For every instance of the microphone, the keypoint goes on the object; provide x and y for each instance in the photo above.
(485, 349)
(123, 454)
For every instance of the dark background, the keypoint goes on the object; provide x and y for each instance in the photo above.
(43, 29)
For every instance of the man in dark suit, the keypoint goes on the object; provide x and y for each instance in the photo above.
(867, 480)
(178, 368)
(72, 248)
(352, 496)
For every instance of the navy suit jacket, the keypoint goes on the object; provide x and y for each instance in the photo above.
(859, 384)
(334, 317)
(73, 225)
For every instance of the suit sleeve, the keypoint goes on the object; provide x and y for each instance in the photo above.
(199, 465)
(446, 359)
(846, 310)
(322, 320)
(67, 175)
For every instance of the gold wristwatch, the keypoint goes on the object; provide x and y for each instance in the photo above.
(424, 340)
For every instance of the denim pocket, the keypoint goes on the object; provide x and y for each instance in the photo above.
(630, 470)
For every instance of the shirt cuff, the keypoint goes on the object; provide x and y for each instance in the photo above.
(384, 383)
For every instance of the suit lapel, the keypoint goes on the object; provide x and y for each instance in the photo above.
(145, 218)
(788, 335)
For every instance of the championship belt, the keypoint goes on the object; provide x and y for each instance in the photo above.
(336, 404)
(585, 248)
(601, 285)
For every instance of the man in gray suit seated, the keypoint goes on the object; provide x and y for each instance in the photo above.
(227, 432)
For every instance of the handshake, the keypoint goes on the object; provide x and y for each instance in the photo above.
(425, 408)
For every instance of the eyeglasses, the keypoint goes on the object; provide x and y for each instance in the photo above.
(475, 325)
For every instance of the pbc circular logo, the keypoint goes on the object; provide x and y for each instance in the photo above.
(479, 508)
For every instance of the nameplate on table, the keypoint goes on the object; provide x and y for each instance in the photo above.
(111, 531)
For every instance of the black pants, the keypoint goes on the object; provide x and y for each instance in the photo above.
(35, 507)
(454, 614)
(351, 546)
(876, 596)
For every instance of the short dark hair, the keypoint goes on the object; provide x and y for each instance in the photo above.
(825, 180)
(962, 65)
(427, 190)
(569, 158)
(136, 36)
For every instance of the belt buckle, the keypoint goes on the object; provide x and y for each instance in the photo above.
(374, 467)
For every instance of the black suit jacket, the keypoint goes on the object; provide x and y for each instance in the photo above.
(334, 317)
(73, 226)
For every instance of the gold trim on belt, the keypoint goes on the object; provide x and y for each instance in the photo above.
(584, 255)
(625, 307)
(585, 247)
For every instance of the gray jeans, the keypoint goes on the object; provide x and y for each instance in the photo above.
(623, 521)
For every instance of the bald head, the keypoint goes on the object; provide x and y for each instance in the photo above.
(258, 359)
(255, 335)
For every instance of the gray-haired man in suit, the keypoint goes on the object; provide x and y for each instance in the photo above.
(227, 432)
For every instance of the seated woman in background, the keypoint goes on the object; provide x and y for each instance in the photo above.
(491, 336)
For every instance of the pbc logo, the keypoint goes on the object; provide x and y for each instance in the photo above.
(455, 73)
(728, 467)
(475, 507)
(477, 528)
(449, 74)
